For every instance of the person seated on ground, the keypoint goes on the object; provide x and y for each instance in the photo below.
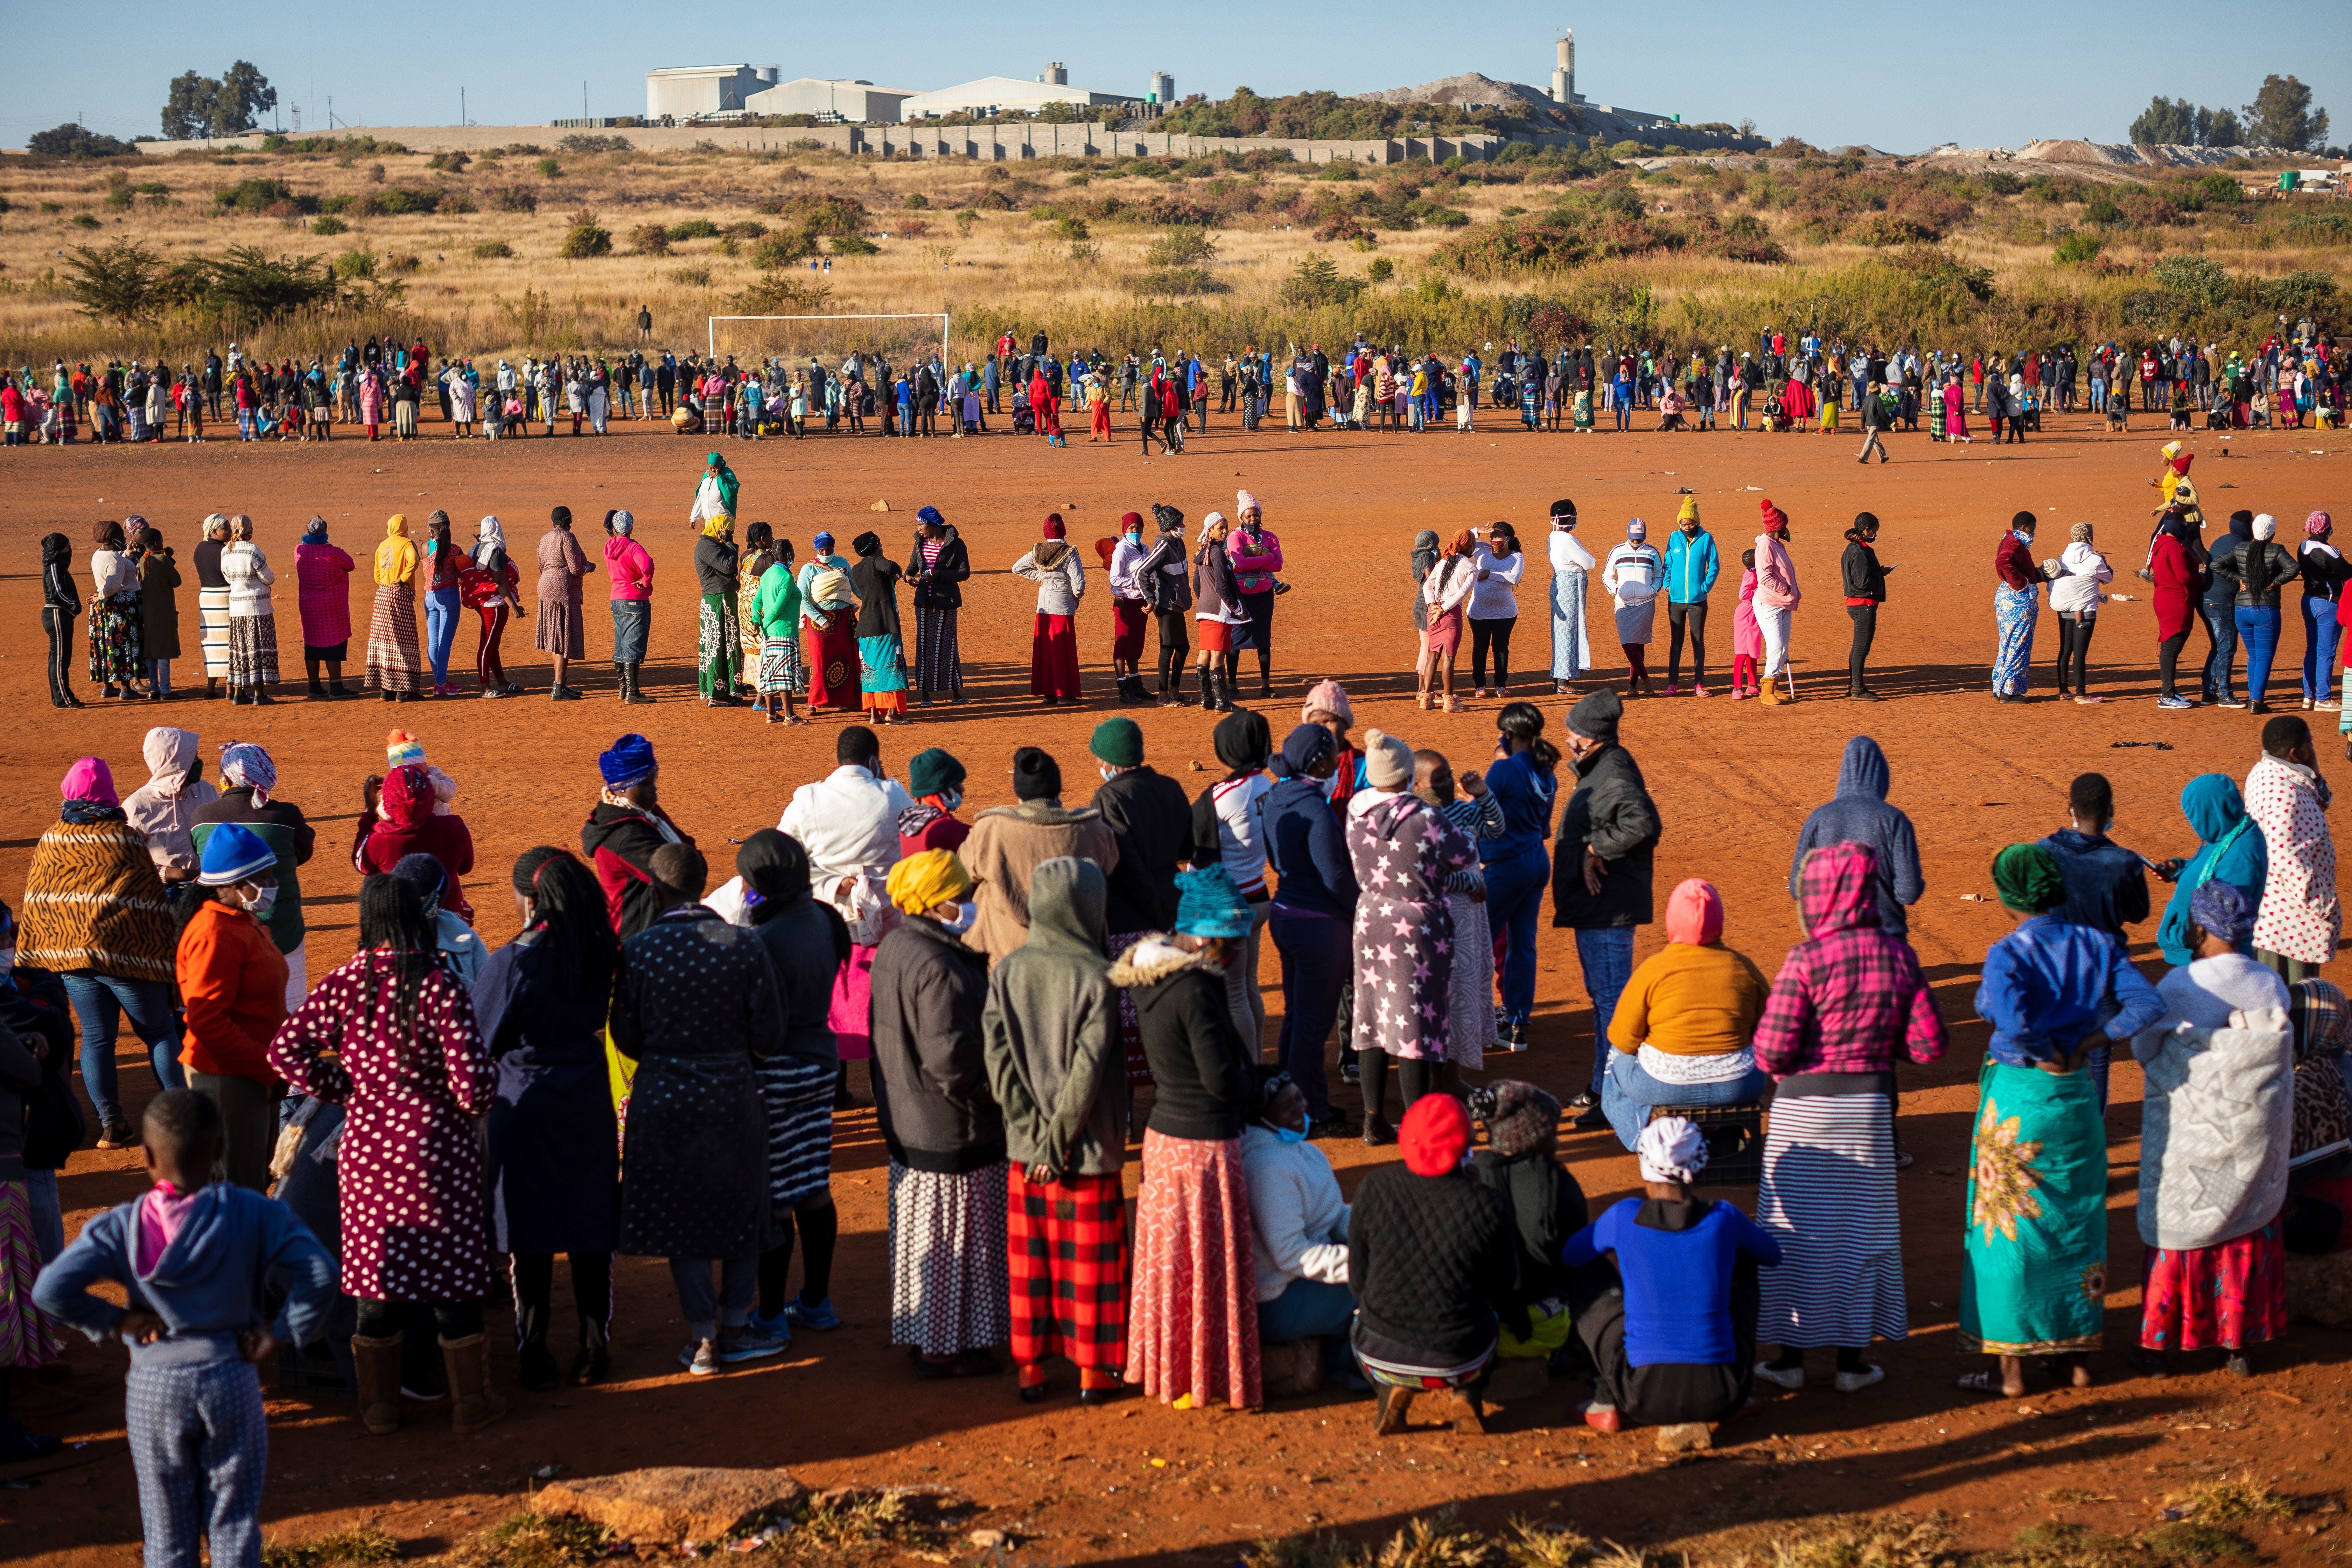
(1298, 1231)
(1431, 1257)
(1682, 1029)
(1521, 1163)
(1676, 1342)
(2319, 1165)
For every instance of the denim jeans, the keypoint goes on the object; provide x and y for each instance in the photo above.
(2221, 629)
(48, 1216)
(1605, 953)
(2258, 630)
(1627, 1093)
(1515, 890)
(702, 1309)
(159, 674)
(442, 608)
(1315, 965)
(2320, 632)
(100, 1000)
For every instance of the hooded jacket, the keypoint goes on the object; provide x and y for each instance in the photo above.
(940, 586)
(619, 842)
(2255, 569)
(1851, 995)
(1006, 845)
(163, 810)
(2106, 884)
(1858, 814)
(2229, 849)
(1050, 1030)
(209, 1285)
(395, 558)
(1060, 576)
(411, 828)
(1204, 1079)
(930, 1067)
(1612, 812)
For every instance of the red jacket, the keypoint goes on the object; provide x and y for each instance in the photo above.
(410, 828)
(2176, 587)
(2015, 562)
(233, 980)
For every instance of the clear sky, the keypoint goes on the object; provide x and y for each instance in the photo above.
(1899, 76)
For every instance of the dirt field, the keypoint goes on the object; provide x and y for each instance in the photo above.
(1139, 1483)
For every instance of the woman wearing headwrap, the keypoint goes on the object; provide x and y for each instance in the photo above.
(1571, 646)
(1193, 1331)
(776, 616)
(159, 607)
(828, 628)
(212, 600)
(323, 598)
(938, 566)
(1061, 579)
(443, 566)
(715, 492)
(2034, 1280)
(1848, 1001)
(247, 775)
(552, 1155)
(948, 1296)
(61, 603)
(2257, 567)
(95, 915)
(1405, 853)
(115, 617)
(394, 666)
(881, 657)
(630, 571)
(2229, 849)
(1680, 1034)
(411, 826)
(1446, 593)
(718, 645)
(808, 944)
(2325, 572)
(252, 620)
(2216, 1133)
(162, 811)
(563, 634)
(489, 586)
(1256, 556)
(1632, 576)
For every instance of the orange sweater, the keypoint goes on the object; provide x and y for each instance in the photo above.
(233, 980)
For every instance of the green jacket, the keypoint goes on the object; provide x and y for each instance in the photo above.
(779, 605)
(1051, 1030)
(280, 824)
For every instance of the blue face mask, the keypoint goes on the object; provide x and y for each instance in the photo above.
(1291, 1135)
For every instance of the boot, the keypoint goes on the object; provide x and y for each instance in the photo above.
(1135, 690)
(620, 680)
(1769, 693)
(377, 1363)
(317, 690)
(535, 1364)
(637, 691)
(467, 1363)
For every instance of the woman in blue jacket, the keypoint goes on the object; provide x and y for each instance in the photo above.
(1314, 913)
(1518, 865)
(1692, 567)
(2229, 849)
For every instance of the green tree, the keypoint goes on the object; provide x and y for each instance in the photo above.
(2282, 116)
(227, 105)
(73, 140)
(2218, 128)
(188, 107)
(116, 284)
(2166, 122)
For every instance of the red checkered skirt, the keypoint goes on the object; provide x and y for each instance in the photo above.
(1193, 1326)
(1066, 1246)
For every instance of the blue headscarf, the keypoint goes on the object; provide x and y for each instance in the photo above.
(929, 516)
(630, 761)
(2222, 912)
(2229, 849)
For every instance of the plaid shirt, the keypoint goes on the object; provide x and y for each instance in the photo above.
(1845, 999)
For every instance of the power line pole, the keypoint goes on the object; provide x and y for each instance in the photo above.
(584, 100)
(461, 106)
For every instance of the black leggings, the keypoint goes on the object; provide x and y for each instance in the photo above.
(1259, 609)
(1175, 647)
(1495, 632)
(1691, 617)
(591, 1294)
(2167, 659)
(1414, 1078)
(821, 1226)
(453, 1320)
(59, 625)
(1866, 632)
(2074, 650)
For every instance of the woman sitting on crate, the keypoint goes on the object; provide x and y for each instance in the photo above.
(1679, 1037)
(1848, 998)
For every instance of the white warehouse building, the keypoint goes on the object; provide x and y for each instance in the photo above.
(692, 92)
(703, 92)
(850, 102)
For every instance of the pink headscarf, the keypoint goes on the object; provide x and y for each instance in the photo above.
(1694, 913)
(2318, 522)
(89, 779)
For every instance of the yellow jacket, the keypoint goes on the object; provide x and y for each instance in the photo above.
(395, 558)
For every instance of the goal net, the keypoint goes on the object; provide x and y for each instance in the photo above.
(898, 339)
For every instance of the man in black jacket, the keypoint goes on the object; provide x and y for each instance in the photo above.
(1602, 870)
(1875, 422)
(1152, 824)
(1866, 590)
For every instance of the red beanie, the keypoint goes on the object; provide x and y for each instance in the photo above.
(1774, 517)
(1434, 1135)
(1054, 529)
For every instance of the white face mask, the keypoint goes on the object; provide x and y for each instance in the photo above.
(961, 922)
(261, 902)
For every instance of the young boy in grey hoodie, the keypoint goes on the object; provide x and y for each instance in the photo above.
(1858, 814)
(194, 1258)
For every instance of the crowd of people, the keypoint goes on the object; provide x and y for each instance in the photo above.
(2295, 378)
(652, 1068)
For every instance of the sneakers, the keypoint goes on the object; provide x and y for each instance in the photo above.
(1790, 1378)
(1698, 689)
(2087, 701)
(822, 1316)
(1855, 1381)
(776, 1327)
(2174, 702)
(119, 1135)
(700, 1357)
(2226, 701)
(750, 1342)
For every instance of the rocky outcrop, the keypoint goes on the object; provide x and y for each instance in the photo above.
(676, 1503)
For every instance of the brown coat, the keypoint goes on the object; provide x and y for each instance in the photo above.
(1007, 844)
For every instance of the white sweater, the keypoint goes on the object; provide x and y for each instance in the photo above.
(1492, 596)
(2074, 586)
(1298, 1221)
(249, 576)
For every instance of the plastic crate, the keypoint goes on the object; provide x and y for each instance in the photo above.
(1735, 1140)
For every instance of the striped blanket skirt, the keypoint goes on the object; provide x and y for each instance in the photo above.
(212, 616)
(1828, 1198)
(394, 663)
(798, 1094)
(780, 665)
(25, 1338)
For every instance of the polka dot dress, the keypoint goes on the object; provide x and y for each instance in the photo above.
(2300, 918)
(409, 1171)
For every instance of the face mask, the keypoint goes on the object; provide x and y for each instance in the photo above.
(961, 922)
(1291, 1135)
(261, 902)
(952, 798)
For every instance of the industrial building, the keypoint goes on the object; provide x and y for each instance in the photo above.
(698, 92)
(680, 93)
(832, 100)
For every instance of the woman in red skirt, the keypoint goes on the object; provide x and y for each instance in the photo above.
(829, 631)
(1061, 579)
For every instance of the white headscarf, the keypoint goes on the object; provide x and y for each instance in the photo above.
(491, 531)
(2265, 526)
(1208, 525)
(1670, 1150)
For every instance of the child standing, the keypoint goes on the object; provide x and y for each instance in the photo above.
(1747, 636)
(190, 1255)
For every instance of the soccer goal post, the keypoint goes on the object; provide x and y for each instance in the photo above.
(831, 338)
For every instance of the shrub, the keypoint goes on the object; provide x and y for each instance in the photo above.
(1382, 268)
(2102, 208)
(693, 277)
(1070, 228)
(492, 250)
(1317, 280)
(453, 162)
(693, 228)
(747, 229)
(649, 239)
(586, 240)
(549, 168)
(456, 202)
(328, 223)
(82, 220)
(917, 199)
(513, 199)
(2197, 278)
(359, 263)
(825, 215)
(782, 250)
(2078, 249)
(1175, 282)
(399, 201)
(1182, 246)
(851, 244)
(401, 266)
(776, 295)
(253, 195)
(586, 146)
(1341, 170)
(1890, 229)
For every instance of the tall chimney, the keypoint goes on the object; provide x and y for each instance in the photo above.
(1057, 74)
(1563, 76)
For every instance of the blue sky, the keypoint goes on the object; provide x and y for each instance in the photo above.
(1898, 76)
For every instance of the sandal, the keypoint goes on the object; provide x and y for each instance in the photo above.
(1987, 1381)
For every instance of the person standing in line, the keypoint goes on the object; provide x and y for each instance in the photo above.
(624, 829)
(394, 666)
(881, 653)
(391, 1037)
(1523, 781)
(159, 603)
(323, 598)
(629, 567)
(61, 603)
(1774, 604)
(1164, 578)
(1130, 604)
(1050, 1035)
(2106, 884)
(1312, 916)
(116, 617)
(1864, 578)
(444, 603)
(1496, 565)
(715, 493)
(2257, 567)
(938, 565)
(720, 641)
(212, 602)
(1216, 599)
(2217, 607)
(552, 1146)
(2016, 601)
(1192, 1333)
(1256, 556)
(2299, 920)
(232, 984)
(1692, 567)
(1602, 870)
(490, 588)
(1444, 593)
(163, 810)
(1061, 579)
(247, 775)
(252, 622)
(1633, 577)
(776, 618)
(2325, 572)
(563, 634)
(2176, 568)
(2074, 598)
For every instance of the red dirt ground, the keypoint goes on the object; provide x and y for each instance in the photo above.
(1733, 781)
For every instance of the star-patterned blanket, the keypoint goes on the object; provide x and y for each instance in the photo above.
(2215, 1129)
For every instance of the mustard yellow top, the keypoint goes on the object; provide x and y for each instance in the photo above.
(395, 558)
(1690, 1000)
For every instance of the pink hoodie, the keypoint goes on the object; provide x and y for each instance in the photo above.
(1776, 578)
(631, 568)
